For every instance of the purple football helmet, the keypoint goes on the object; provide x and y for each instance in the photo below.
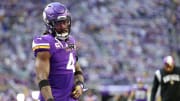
(57, 19)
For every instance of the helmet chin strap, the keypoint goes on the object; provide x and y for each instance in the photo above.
(62, 36)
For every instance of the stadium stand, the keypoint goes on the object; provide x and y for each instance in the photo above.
(116, 38)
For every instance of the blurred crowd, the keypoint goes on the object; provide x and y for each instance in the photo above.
(118, 40)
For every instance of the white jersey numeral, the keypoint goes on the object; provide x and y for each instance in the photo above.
(71, 62)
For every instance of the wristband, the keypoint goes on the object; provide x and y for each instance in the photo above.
(78, 73)
(50, 99)
(43, 83)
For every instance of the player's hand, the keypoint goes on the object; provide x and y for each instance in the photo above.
(77, 92)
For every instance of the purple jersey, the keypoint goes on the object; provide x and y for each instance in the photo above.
(62, 64)
(141, 94)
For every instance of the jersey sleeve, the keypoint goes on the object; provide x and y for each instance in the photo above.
(74, 45)
(40, 44)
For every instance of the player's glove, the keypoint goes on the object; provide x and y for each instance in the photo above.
(78, 90)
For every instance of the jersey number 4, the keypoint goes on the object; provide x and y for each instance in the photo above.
(71, 63)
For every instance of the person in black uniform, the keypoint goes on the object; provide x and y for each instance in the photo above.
(168, 78)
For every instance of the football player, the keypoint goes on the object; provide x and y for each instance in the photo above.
(139, 93)
(59, 75)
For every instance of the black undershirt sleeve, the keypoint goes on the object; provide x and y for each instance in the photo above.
(154, 88)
